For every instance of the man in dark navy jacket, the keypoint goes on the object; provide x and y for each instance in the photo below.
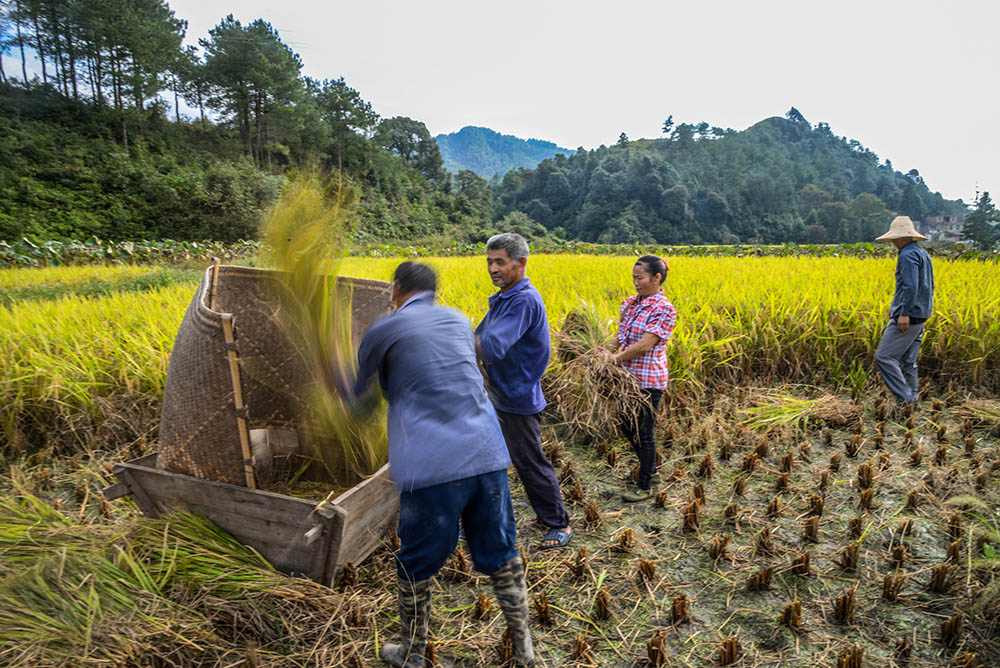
(912, 304)
(513, 342)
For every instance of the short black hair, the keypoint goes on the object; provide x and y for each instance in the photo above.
(654, 265)
(414, 277)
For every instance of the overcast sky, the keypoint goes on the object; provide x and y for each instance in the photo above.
(914, 81)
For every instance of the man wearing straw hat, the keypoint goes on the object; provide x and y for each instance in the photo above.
(448, 459)
(896, 356)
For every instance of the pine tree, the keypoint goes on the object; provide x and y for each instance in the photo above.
(982, 226)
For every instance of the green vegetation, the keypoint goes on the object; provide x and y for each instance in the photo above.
(97, 252)
(28, 285)
(780, 180)
(24, 253)
(90, 148)
(94, 147)
(983, 225)
(489, 153)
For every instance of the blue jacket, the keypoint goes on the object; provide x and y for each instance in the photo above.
(514, 337)
(442, 426)
(914, 283)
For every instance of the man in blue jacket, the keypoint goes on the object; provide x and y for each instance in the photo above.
(448, 459)
(513, 342)
(912, 304)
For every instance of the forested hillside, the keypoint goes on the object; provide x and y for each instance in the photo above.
(489, 153)
(780, 180)
(96, 145)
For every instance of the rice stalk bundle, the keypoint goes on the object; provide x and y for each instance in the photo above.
(592, 395)
(112, 594)
(980, 411)
(779, 409)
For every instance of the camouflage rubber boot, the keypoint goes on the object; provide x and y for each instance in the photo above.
(414, 618)
(508, 585)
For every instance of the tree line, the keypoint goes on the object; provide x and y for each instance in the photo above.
(782, 179)
(95, 145)
(112, 75)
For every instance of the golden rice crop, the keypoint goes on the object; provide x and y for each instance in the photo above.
(62, 358)
(69, 277)
(800, 319)
(788, 319)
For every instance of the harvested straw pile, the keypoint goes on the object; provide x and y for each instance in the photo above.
(590, 394)
(309, 231)
(170, 592)
(784, 410)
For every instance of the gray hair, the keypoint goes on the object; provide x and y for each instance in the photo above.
(512, 242)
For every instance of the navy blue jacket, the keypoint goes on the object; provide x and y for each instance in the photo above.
(514, 337)
(914, 284)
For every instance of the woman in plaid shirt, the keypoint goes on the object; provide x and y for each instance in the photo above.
(645, 324)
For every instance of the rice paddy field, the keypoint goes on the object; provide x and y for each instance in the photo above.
(800, 521)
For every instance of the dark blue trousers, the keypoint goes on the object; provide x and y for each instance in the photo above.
(428, 525)
(523, 434)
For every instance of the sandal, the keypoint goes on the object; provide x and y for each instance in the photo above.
(561, 536)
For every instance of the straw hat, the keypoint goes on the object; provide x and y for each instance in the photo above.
(902, 228)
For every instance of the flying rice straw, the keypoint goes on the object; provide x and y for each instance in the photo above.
(308, 232)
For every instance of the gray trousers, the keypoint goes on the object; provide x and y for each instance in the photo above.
(896, 359)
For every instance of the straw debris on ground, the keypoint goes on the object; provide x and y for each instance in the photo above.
(92, 583)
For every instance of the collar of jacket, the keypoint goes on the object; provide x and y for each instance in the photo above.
(426, 295)
(520, 285)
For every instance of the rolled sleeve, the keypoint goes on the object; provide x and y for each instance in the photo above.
(661, 323)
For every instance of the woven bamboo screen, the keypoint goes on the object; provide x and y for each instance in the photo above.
(199, 432)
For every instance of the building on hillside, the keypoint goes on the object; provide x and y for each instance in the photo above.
(942, 228)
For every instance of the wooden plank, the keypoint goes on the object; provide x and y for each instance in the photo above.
(273, 524)
(146, 504)
(352, 526)
(172, 489)
(144, 468)
(372, 509)
(274, 527)
(115, 491)
(148, 461)
(331, 519)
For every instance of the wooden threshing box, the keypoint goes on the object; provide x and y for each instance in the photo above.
(296, 536)
(234, 378)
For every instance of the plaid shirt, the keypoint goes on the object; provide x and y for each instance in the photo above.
(656, 315)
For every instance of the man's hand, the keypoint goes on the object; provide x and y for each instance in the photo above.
(903, 322)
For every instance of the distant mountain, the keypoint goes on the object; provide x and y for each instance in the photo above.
(487, 152)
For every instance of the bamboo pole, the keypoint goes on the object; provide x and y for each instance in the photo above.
(241, 420)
